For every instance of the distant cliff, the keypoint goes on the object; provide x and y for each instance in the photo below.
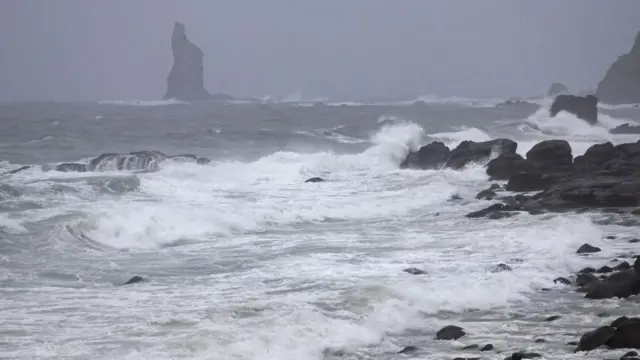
(621, 84)
(186, 78)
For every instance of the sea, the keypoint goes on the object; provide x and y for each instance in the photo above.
(244, 260)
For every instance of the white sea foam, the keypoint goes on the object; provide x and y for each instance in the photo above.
(287, 269)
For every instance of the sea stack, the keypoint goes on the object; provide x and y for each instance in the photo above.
(557, 89)
(186, 79)
(583, 107)
(621, 83)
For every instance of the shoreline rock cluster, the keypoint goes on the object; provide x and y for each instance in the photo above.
(548, 177)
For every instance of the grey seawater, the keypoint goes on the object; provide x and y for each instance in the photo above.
(246, 261)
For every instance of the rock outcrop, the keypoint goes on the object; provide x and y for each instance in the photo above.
(585, 108)
(557, 89)
(186, 79)
(437, 155)
(621, 83)
(136, 161)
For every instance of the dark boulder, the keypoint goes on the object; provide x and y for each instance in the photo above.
(587, 249)
(585, 108)
(622, 284)
(450, 332)
(506, 165)
(487, 347)
(470, 152)
(595, 157)
(495, 211)
(430, 156)
(551, 155)
(596, 338)
(561, 280)
(532, 181)
(486, 195)
(592, 191)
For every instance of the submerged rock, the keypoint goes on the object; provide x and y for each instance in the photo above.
(186, 78)
(134, 280)
(314, 180)
(585, 108)
(621, 83)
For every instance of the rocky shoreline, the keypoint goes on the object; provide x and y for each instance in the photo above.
(550, 179)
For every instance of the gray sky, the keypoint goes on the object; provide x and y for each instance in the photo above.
(120, 49)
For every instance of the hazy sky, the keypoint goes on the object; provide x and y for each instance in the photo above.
(120, 49)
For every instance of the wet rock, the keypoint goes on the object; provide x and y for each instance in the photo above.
(497, 215)
(596, 338)
(414, 271)
(627, 335)
(314, 180)
(486, 195)
(487, 347)
(505, 166)
(501, 267)
(588, 249)
(587, 270)
(450, 332)
(553, 318)
(540, 341)
(471, 347)
(604, 269)
(621, 284)
(629, 354)
(551, 155)
(523, 355)
(531, 181)
(585, 108)
(15, 171)
(408, 350)
(495, 187)
(71, 167)
(610, 237)
(134, 280)
(623, 266)
(561, 280)
(487, 211)
(572, 343)
(634, 241)
(431, 156)
(619, 321)
(586, 279)
(472, 152)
